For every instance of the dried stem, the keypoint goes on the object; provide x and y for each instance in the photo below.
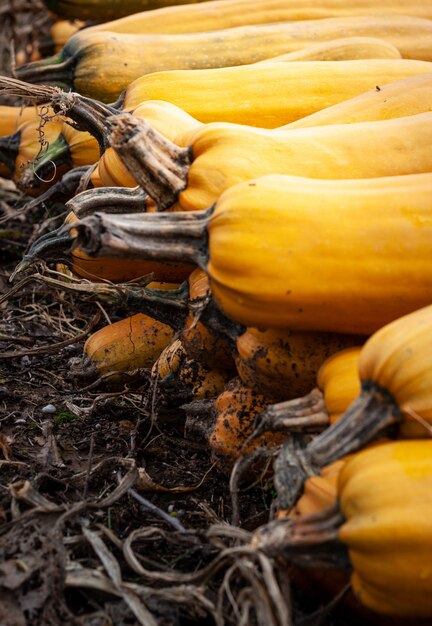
(300, 414)
(156, 163)
(86, 114)
(310, 540)
(169, 237)
(113, 200)
(374, 411)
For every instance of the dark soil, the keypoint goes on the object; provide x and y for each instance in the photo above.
(74, 453)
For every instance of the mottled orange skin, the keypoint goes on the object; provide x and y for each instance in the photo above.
(283, 364)
(233, 419)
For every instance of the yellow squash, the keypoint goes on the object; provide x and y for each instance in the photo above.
(39, 153)
(11, 117)
(343, 49)
(396, 385)
(218, 155)
(339, 381)
(268, 94)
(381, 522)
(384, 495)
(366, 264)
(166, 118)
(218, 14)
(102, 64)
(404, 97)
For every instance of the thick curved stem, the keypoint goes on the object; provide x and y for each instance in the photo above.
(113, 200)
(170, 237)
(84, 113)
(310, 540)
(157, 164)
(56, 70)
(369, 415)
(87, 115)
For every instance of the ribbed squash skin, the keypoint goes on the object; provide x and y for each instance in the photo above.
(282, 277)
(319, 492)
(166, 118)
(397, 359)
(269, 95)
(283, 364)
(401, 98)
(384, 494)
(132, 343)
(224, 155)
(102, 64)
(83, 147)
(220, 14)
(339, 380)
(94, 268)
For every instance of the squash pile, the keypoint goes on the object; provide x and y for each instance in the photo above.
(269, 164)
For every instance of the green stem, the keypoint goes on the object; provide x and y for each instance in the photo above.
(43, 168)
(56, 70)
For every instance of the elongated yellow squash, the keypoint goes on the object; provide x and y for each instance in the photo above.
(39, 153)
(404, 97)
(217, 156)
(192, 17)
(11, 117)
(344, 49)
(366, 264)
(102, 64)
(268, 94)
(374, 234)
